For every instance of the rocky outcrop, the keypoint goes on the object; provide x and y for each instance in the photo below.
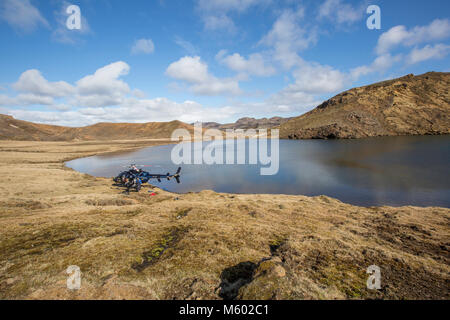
(248, 123)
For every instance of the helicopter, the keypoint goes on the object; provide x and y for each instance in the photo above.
(135, 177)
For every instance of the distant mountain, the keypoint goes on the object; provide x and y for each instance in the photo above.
(247, 123)
(410, 105)
(12, 129)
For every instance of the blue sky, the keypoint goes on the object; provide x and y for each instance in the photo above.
(206, 60)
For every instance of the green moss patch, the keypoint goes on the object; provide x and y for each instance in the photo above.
(168, 240)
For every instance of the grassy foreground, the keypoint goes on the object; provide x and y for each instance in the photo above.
(201, 245)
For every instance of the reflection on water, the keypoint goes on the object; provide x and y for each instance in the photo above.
(378, 171)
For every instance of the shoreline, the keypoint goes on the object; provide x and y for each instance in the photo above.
(179, 246)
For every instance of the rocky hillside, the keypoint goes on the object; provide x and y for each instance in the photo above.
(410, 105)
(248, 123)
(13, 129)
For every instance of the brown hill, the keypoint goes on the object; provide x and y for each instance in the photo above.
(410, 105)
(13, 129)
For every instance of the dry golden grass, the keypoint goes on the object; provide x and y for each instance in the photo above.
(201, 245)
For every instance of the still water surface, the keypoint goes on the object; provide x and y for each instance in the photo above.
(377, 171)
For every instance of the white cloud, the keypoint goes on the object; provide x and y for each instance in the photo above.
(227, 5)
(139, 93)
(163, 109)
(186, 45)
(340, 12)
(96, 100)
(292, 102)
(68, 118)
(428, 52)
(105, 80)
(7, 101)
(131, 110)
(25, 99)
(103, 96)
(317, 79)
(33, 99)
(312, 80)
(195, 72)
(93, 111)
(254, 65)
(219, 22)
(400, 35)
(32, 81)
(287, 38)
(103, 107)
(215, 13)
(217, 87)
(103, 88)
(21, 15)
(190, 69)
(380, 65)
(394, 36)
(143, 46)
(60, 107)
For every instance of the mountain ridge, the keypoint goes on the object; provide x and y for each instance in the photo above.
(14, 129)
(247, 123)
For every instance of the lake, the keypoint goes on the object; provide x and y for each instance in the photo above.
(393, 171)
